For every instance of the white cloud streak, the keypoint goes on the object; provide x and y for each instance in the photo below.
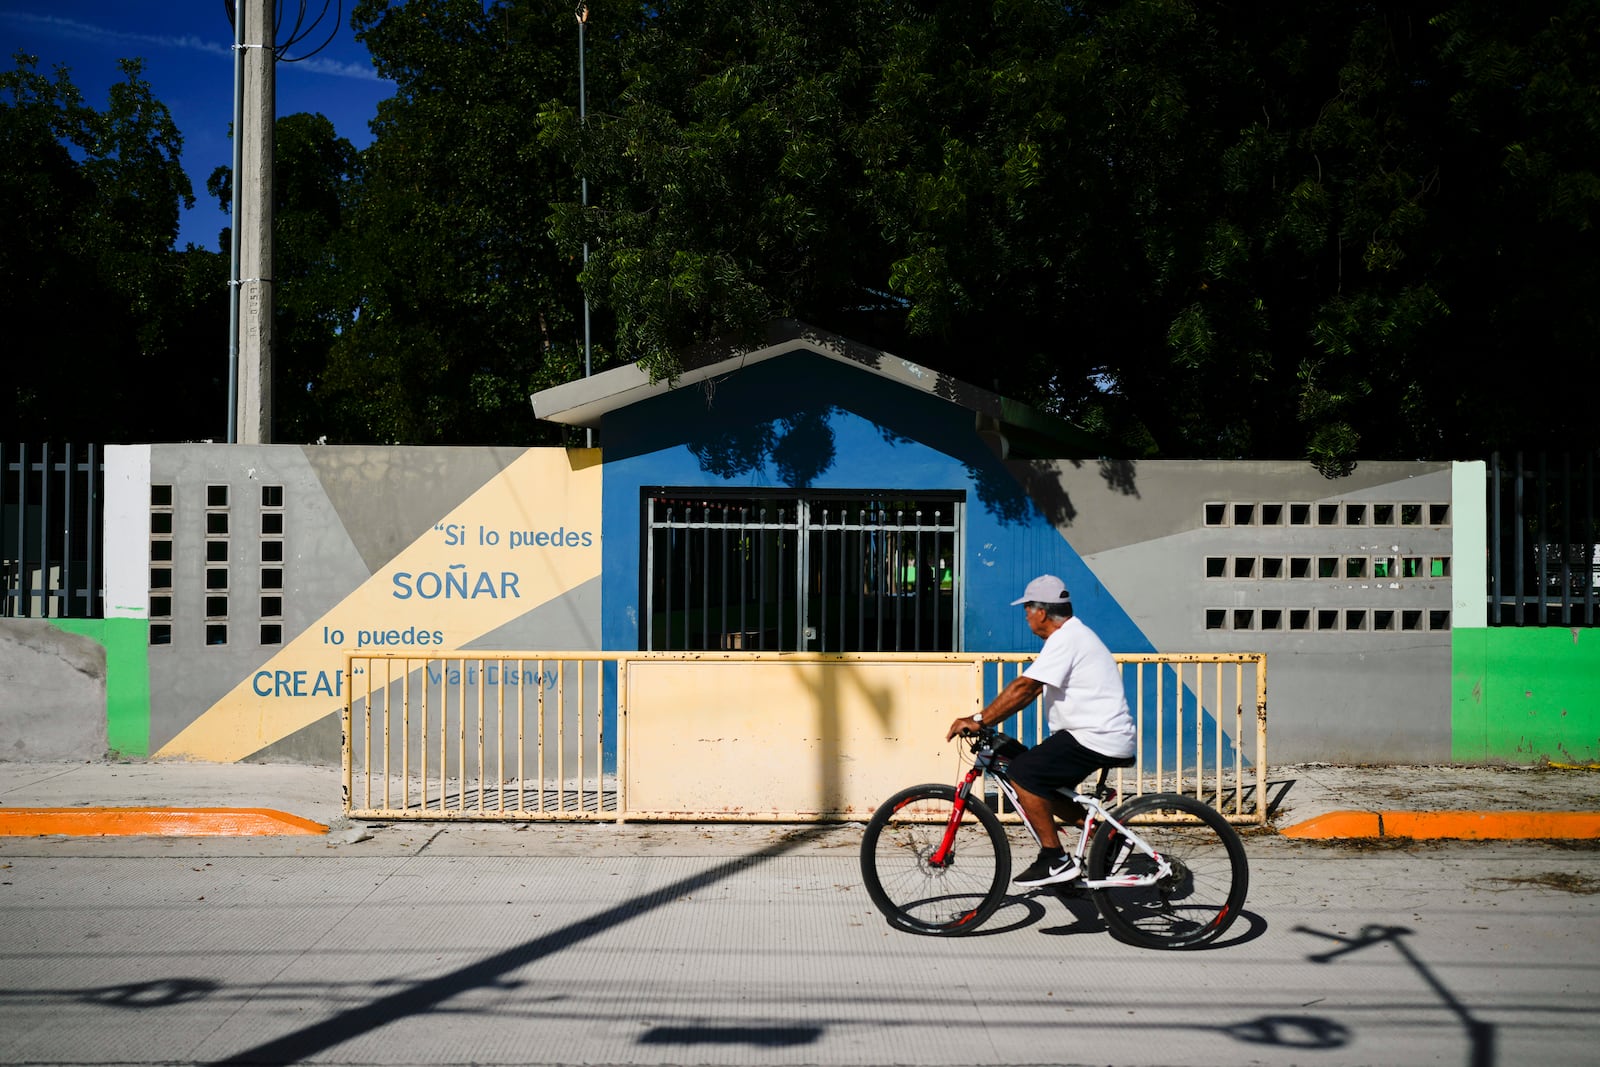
(74, 30)
(338, 69)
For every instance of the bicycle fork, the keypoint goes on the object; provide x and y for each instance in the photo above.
(958, 810)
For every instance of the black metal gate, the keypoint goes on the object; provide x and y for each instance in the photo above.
(1543, 559)
(51, 503)
(856, 572)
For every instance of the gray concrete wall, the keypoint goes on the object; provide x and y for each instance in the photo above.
(52, 693)
(1185, 549)
(325, 518)
(188, 675)
(1342, 689)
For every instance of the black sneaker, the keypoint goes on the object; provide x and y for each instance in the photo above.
(1048, 869)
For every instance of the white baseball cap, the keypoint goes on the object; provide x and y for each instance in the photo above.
(1045, 589)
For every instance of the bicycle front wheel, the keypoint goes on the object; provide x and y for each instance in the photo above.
(1194, 904)
(917, 893)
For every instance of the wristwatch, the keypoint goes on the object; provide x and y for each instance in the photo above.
(978, 718)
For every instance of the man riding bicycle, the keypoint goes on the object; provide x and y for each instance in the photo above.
(1087, 712)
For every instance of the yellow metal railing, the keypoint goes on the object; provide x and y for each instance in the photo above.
(1202, 726)
(746, 735)
(478, 735)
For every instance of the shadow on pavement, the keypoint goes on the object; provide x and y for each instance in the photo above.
(1276, 792)
(1087, 920)
(317, 1038)
(1480, 1035)
(135, 996)
(1291, 1031)
(760, 1036)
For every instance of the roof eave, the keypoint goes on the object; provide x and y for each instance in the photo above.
(585, 402)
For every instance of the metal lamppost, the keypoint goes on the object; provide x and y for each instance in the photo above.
(583, 121)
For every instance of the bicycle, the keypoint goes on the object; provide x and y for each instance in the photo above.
(931, 870)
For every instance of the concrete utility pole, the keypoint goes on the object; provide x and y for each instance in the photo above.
(253, 222)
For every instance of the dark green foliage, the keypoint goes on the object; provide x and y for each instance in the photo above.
(1320, 229)
(1259, 230)
(456, 302)
(313, 171)
(115, 336)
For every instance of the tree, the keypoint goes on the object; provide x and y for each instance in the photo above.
(1197, 230)
(724, 188)
(129, 332)
(1015, 195)
(1255, 230)
(1520, 226)
(458, 303)
(1378, 234)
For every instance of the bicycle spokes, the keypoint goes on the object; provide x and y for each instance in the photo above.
(1182, 891)
(931, 872)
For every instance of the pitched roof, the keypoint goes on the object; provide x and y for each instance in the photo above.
(1021, 429)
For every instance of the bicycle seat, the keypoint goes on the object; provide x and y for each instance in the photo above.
(1126, 761)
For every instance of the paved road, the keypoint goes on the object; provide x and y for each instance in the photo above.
(600, 944)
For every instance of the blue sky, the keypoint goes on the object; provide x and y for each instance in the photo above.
(187, 46)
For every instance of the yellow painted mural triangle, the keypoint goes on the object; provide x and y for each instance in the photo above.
(526, 537)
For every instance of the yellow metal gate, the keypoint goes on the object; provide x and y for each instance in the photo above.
(747, 735)
(477, 735)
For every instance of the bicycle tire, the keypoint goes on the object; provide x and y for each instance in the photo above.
(1193, 906)
(916, 896)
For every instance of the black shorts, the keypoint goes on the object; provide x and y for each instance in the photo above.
(1057, 762)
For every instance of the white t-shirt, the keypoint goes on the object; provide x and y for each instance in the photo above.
(1083, 690)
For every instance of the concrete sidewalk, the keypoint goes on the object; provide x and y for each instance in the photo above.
(168, 799)
(1306, 801)
(692, 946)
(665, 945)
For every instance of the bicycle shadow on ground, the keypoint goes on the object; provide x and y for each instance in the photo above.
(1083, 916)
(1038, 906)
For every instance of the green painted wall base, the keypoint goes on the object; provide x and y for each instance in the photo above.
(1525, 695)
(127, 645)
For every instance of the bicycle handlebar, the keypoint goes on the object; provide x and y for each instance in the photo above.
(981, 735)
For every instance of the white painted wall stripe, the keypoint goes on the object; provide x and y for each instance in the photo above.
(126, 540)
(1469, 507)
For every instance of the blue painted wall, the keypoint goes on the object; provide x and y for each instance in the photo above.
(803, 421)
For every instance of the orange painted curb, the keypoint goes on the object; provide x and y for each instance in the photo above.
(1491, 825)
(1452, 825)
(1337, 824)
(153, 822)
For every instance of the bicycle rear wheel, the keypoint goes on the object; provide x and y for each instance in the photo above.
(1200, 898)
(913, 893)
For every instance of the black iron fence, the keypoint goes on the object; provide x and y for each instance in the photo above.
(1543, 533)
(1544, 543)
(51, 511)
(870, 572)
